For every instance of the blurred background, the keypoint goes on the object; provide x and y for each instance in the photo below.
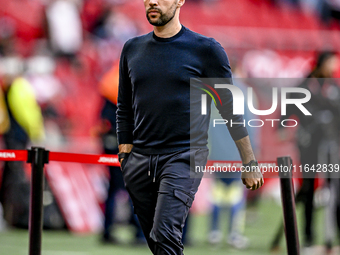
(58, 76)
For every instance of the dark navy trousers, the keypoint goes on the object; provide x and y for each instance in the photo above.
(162, 189)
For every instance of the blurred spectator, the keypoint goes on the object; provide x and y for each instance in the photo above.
(112, 29)
(25, 114)
(317, 139)
(228, 190)
(114, 26)
(109, 140)
(26, 124)
(64, 27)
(119, 27)
(109, 90)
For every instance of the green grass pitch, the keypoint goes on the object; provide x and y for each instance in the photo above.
(260, 232)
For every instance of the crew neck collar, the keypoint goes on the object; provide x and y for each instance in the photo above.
(168, 39)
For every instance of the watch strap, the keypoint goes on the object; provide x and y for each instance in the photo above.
(252, 166)
(123, 155)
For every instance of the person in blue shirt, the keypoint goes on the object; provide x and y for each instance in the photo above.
(228, 191)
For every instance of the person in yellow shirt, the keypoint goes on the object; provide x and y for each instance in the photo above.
(24, 125)
(26, 121)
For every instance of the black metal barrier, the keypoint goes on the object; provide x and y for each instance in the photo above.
(38, 157)
(288, 206)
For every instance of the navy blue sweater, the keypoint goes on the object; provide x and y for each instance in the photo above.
(154, 110)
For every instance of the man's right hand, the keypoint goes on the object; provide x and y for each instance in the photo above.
(124, 148)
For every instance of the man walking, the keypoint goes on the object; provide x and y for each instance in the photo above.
(158, 144)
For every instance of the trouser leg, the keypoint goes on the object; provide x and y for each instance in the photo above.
(309, 156)
(141, 189)
(116, 184)
(178, 185)
(162, 206)
(215, 217)
(330, 213)
(109, 212)
(309, 208)
(337, 209)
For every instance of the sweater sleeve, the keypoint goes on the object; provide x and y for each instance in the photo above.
(219, 67)
(125, 119)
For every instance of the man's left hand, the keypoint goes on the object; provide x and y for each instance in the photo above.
(252, 180)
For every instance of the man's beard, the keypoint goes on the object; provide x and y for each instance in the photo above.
(163, 19)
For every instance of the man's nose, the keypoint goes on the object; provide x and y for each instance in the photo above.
(153, 2)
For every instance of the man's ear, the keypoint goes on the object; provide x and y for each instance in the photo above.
(180, 3)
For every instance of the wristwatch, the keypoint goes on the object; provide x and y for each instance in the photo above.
(122, 155)
(252, 166)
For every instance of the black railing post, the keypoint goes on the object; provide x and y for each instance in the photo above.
(38, 157)
(288, 205)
